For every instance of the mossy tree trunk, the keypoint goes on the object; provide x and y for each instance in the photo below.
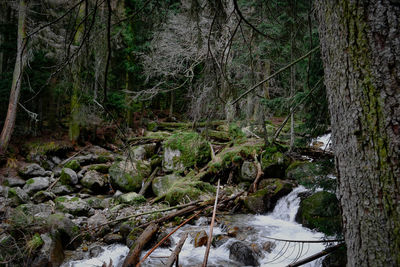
(360, 46)
(20, 63)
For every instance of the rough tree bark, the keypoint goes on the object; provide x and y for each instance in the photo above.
(360, 46)
(20, 63)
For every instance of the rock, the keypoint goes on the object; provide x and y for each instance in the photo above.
(268, 246)
(61, 225)
(113, 238)
(128, 176)
(188, 189)
(320, 211)
(51, 253)
(94, 181)
(95, 251)
(68, 177)
(61, 189)
(36, 184)
(73, 165)
(200, 239)
(14, 181)
(93, 158)
(97, 220)
(56, 160)
(32, 170)
(95, 202)
(264, 200)
(73, 205)
(184, 150)
(233, 231)
(43, 196)
(131, 198)
(161, 185)
(102, 168)
(242, 253)
(274, 162)
(219, 240)
(248, 172)
(18, 195)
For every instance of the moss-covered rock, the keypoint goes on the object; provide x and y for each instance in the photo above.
(43, 196)
(184, 150)
(313, 174)
(161, 185)
(73, 164)
(274, 162)
(264, 199)
(248, 171)
(68, 177)
(18, 196)
(131, 198)
(320, 211)
(94, 181)
(72, 205)
(187, 189)
(127, 175)
(143, 152)
(34, 185)
(102, 168)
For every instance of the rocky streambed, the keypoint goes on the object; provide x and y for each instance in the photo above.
(69, 204)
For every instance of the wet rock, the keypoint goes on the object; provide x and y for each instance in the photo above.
(102, 168)
(248, 172)
(43, 196)
(32, 170)
(113, 238)
(320, 211)
(264, 200)
(18, 195)
(200, 239)
(161, 185)
(242, 253)
(233, 231)
(184, 150)
(95, 251)
(36, 184)
(94, 181)
(14, 181)
(131, 198)
(268, 246)
(127, 175)
(73, 205)
(68, 177)
(63, 226)
(51, 253)
(274, 162)
(219, 240)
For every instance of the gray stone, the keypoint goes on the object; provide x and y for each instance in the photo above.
(56, 160)
(43, 196)
(131, 198)
(14, 181)
(171, 160)
(36, 184)
(32, 170)
(113, 238)
(161, 185)
(18, 195)
(127, 175)
(73, 205)
(61, 189)
(94, 202)
(51, 253)
(248, 171)
(68, 177)
(243, 253)
(94, 181)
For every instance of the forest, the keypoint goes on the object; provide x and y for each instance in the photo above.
(199, 133)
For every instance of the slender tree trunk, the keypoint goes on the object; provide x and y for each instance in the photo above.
(20, 63)
(360, 46)
(292, 73)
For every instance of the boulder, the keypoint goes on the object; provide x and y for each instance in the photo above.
(98, 221)
(248, 172)
(264, 199)
(200, 239)
(51, 253)
(128, 175)
(14, 181)
(161, 185)
(32, 170)
(17, 195)
(243, 253)
(95, 202)
(72, 205)
(73, 164)
(143, 152)
(131, 198)
(113, 238)
(320, 211)
(43, 196)
(94, 181)
(36, 184)
(61, 189)
(68, 177)
(274, 162)
(184, 150)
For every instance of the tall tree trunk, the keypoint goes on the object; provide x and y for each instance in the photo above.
(360, 46)
(292, 72)
(20, 63)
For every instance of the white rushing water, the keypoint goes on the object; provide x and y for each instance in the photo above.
(258, 228)
(323, 142)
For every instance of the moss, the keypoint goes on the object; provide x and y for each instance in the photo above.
(60, 199)
(12, 192)
(104, 158)
(75, 199)
(35, 242)
(151, 126)
(30, 181)
(194, 148)
(235, 132)
(73, 164)
(103, 168)
(186, 190)
(237, 159)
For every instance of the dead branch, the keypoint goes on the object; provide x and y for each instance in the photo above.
(316, 256)
(211, 228)
(253, 187)
(175, 254)
(148, 182)
(133, 257)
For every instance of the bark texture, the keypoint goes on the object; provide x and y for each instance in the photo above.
(360, 47)
(20, 63)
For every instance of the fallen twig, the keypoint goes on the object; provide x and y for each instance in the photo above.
(175, 254)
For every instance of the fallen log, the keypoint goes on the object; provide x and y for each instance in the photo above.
(175, 254)
(316, 256)
(134, 254)
(187, 125)
(217, 135)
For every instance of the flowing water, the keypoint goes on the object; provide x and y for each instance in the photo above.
(254, 229)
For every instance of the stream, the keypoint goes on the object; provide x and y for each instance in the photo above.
(253, 229)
